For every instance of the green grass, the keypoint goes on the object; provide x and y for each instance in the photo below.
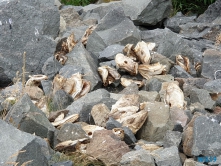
(193, 6)
(78, 2)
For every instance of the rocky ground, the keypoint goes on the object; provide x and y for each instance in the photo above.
(119, 83)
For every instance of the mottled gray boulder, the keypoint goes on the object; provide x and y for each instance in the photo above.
(27, 26)
(68, 70)
(172, 138)
(64, 163)
(129, 137)
(178, 71)
(114, 28)
(154, 85)
(147, 12)
(13, 90)
(47, 87)
(168, 156)
(70, 131)
(60, 100)
(213, 86)
(112, 123)
(211, 63)
(84, 105)
(131, 89)
(51, 67)
(14, 141)
(110, 52)
(98, 11)
(148, 96)
(138, 157)
(27, 117)
(157, 123)
(213, 11)
(206, 136)
(173, 23)
(79, 56)
(199, 95)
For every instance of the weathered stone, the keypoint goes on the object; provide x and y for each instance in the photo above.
(164, 78)
(178, 116)
(213, 86)
(211, 63)
(12, 91)
(145, 13)
(64, 163)
(60, 100)
(172, 138)
(33, 36)
(100, 114)
(191, 162)
(47, 87)
(81, 57)
(211, 13)
(158, 122)
(71, 131)
(178, 71)
(129, 137)
(148, 96)
(68, 70)
(17, 147)
(27, 117)
(131, 89)
(138, 157)
(115, 22)
(167, 156)
(111, 63)
(112, 123)
(107, 147)
(206, 137)
(109, 52)
(84, 105)
(154, 85)
(174, 22)
(199, 95)
(51, 67)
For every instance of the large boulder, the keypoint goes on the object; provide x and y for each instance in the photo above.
(147, 12)
(114, 28)
(27, 26)
(27, 117)
(20, 147)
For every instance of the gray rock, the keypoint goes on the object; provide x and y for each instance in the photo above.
(108, 63)
(213, 86)
(131, 89)
(148, 96)
(168, 156)
(112, 123)
(51, 67)
(211, 63)
(129, 137)
(158, 122)
(138, 157)
(70, 131)
(199, 95)
(84, 105)
(172, 138)
(114, 28)
(178, 71)
(32, 31)
(27, 117)
(206, 137)
(98, 11)
(174, 22)
(64, 163)
(47, 87)
(14, 141)
(13, 90)
(154, 85)
(68, 70)
(144, 12)
(60, 100)
(211, 13)
(110, 52)
(5, 81)
(79, 56)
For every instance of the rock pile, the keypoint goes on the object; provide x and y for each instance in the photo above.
(117, 83)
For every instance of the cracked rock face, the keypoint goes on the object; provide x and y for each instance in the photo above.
(27, 26)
